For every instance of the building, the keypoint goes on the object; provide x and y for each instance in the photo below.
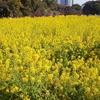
(65, 2)
(58, 1)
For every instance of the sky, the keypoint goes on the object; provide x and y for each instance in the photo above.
(80, 2)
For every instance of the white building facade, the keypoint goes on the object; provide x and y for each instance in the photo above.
(65, 2)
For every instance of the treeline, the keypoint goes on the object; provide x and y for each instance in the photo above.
(21, 8)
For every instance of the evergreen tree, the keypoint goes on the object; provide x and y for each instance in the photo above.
(91, 7)
(51, 4)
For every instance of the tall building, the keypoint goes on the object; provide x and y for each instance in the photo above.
(58, 1)
(65, 2)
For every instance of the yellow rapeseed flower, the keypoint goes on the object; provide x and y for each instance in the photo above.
(32, 79)
(25, 79)
(88, 89)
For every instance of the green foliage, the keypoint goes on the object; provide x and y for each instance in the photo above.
(51, 4)
(91, 7)
(18, 8)
(76, 7)
(97, 7)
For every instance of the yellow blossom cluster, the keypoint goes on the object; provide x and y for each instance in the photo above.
(50, 58)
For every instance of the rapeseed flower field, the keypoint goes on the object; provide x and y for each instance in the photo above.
(50, 58)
